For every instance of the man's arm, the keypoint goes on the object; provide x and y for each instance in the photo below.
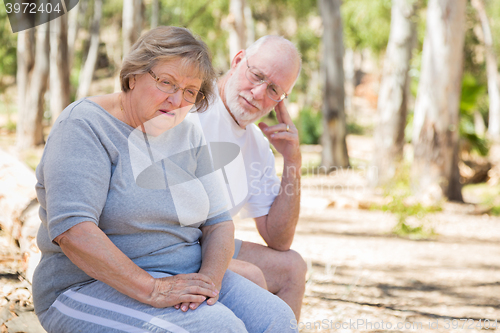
(278, 227)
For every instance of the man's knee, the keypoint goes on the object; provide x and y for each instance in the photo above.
(294, 265)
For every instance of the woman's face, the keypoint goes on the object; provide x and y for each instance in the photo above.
(157, 110)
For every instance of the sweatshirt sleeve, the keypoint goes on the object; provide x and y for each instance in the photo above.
(76, 171)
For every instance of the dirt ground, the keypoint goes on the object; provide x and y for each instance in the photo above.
(360, 273)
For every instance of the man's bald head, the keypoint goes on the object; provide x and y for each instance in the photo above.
(283, 50)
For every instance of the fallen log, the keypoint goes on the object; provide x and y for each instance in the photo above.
(19, 209)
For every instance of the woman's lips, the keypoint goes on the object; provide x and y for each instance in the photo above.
(168, 113)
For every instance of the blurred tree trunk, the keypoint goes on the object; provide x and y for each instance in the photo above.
(138, 17)
(334, 120)
(491, 70)
(132, 21)
(73, 27)
(435, 138)
(25, 63)
(250, 25)
(155, 13)
(59, 67)
(349, 79)
(128, 29)
(237, 32)
(394, 93)
(88, 69)
(30, 115)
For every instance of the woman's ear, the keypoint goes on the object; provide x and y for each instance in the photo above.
(131, 82)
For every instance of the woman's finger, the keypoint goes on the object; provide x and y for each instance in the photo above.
(185, 306)
(212, 300)
(181, 290)
(194, 305)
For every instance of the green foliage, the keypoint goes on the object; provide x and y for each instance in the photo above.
(474, 87)
(112, 11)
(398, 191)
(307, 41)
(474, 63)
(309, 125)
(366, 24)
(7, 107)
(355, 128)
(472, 90)
(8, 40)
(11, 126)
(409, 127)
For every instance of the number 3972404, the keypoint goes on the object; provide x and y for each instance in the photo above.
(469, 324)
(31, 8)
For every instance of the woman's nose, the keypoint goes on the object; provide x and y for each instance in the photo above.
(176, 98)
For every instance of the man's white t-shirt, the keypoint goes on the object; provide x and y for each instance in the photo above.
(249, 171)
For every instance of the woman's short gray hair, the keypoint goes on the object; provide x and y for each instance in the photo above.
(168, 43)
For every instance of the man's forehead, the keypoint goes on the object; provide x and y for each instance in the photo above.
(280, 69)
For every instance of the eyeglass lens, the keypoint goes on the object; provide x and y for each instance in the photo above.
(257, 77)
(166, 85)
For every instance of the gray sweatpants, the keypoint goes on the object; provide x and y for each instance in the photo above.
(98, 308)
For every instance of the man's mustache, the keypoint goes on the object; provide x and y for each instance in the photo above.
(251, 100)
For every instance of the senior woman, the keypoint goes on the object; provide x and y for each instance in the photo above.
(135, 236)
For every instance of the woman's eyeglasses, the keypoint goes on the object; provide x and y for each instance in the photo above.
(166, 85)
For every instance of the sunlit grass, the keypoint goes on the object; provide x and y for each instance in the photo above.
(487, 195)
(411, 216)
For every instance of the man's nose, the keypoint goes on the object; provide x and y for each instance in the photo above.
(259, 92)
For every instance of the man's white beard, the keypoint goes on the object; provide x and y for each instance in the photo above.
(243, 116)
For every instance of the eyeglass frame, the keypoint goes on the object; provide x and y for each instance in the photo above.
(264, 80)
(176, 88)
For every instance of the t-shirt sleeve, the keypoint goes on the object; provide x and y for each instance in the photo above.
(263, 190)
(76, 175)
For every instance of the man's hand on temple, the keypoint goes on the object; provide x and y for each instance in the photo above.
(285, 142)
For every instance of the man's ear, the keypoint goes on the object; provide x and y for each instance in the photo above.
(131, 82)
(238, 58)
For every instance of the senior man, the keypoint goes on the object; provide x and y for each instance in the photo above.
(259, 80)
